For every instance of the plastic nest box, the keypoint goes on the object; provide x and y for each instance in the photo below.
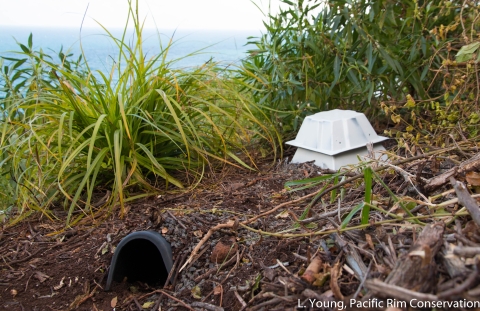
(141, 256)
(334, 139)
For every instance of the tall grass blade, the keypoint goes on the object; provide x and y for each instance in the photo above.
(346, 221)
(367, 177)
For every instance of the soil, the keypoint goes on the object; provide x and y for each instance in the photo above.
(45, 267)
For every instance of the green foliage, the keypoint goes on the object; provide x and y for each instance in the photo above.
(367, 176)
(348, 218)
(6, 194)
(307, 183)
(328, 183)
(320, 55)
(67, 130)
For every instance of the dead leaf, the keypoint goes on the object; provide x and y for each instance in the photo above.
(218, 290)
(269, 273)
(236, 186)
(470, 230)
(198, 233)
(277, 195)
(148, 304)
(197, 292)
(224, 250)
(473, 178)
(134, 289)
(113, 302)
(59, 285)
(105, 249)
(283, 214)
(40, 276)
(320, 279)
(382, 269)
(368, 237)
(380, 232)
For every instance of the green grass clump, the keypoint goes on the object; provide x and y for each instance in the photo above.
(65, 130)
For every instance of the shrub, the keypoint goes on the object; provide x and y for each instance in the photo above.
(319, 55)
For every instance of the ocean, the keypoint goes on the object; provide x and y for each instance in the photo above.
(227, 47)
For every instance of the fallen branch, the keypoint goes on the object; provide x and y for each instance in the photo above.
(458, 289)
(352, 257)
(312, 269)
(82, 298)
(466, 200)
(453, 264)
(206, 306)
(335, 274)
(327, 214)
(464, 167)
(417, 268)
(205, 238)
(440, 180)
(382, 289)
(240, 299)
(468, 252)
(174, 298)
(266, 303)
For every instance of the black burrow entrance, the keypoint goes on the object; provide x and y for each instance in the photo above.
(143, 256)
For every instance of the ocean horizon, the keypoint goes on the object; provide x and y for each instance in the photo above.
(190, 47)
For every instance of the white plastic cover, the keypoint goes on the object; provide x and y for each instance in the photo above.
(335, 131)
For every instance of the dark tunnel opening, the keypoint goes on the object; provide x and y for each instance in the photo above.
(140, 260)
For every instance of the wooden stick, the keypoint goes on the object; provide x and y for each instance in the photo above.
(240, 299)
(417, 269)
(465, 251)
(312, 269)
(382, 289)
(175, 298)
(335, 274)
(466, 166)
(206, 306)
(205, 238)
(458, 289)
(466, 200)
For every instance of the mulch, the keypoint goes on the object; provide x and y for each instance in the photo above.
(241, 244)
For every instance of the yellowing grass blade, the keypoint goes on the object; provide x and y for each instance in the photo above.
(177, 121)
(118, 169)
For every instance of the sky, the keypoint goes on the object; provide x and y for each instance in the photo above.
(162, 14)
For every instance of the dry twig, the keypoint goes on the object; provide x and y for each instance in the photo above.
(382, 289)
(174, 298)
(206, 306)
(466, 200)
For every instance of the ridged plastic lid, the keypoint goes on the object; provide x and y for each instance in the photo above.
(335, 131)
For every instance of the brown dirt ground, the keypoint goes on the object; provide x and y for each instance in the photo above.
(44, 267)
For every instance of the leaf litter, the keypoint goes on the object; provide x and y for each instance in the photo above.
(281, 246)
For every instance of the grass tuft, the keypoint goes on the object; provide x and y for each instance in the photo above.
(68, 131)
